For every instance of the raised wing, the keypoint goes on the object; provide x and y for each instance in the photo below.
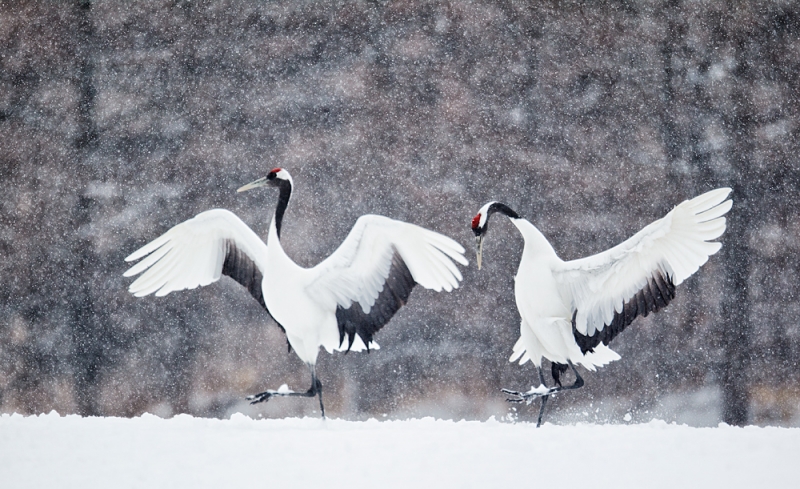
(377, 266)
(609, 290)
(196, 253)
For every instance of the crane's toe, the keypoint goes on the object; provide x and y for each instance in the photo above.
(260, 397)
(526, 397)
(517, 397)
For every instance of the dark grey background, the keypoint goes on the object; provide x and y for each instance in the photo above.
(121, 119)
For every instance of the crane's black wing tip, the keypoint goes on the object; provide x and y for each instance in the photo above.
(243, 269)
(656, 294)
(396, 290)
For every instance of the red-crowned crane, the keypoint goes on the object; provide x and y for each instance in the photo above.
(338, 304)
(572, 310)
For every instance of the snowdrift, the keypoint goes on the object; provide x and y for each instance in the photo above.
(148, 452)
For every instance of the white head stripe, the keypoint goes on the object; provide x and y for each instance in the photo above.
(484, 212)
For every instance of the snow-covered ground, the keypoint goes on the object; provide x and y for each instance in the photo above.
(149, 452)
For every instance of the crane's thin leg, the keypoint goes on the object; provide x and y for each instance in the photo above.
(318, 385)
(313, 391)
(544, 398)
(528, 397)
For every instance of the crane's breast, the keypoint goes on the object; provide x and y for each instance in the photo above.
(537, 293)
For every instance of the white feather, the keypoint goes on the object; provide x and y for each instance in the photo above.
(191, 254)
(357, 270)
(676, 243)
(303, 301)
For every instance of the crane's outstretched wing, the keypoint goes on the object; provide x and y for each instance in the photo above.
(370, 276)
(196, 253)
(637, 277)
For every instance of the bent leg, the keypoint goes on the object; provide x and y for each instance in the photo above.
(528, 397)
(314, 390)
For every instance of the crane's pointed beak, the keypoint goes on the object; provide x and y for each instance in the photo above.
(479, 245)
(258, 183)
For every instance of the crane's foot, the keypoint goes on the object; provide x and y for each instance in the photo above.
(543, 391)
(528, 397)
(260, 397)
(266, 395)
(284, 391)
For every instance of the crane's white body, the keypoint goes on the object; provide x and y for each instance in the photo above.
(546, 327)
(549, 291)
(308, 324)
(303, 301)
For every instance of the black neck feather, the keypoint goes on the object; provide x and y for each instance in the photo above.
(503, 209)
(283, 202)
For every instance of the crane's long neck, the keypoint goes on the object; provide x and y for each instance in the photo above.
(283, 202)
(535, 241)
(536, 245)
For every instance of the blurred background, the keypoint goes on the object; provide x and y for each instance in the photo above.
(119, 120)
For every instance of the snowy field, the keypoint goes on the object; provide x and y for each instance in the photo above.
(150, 452)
